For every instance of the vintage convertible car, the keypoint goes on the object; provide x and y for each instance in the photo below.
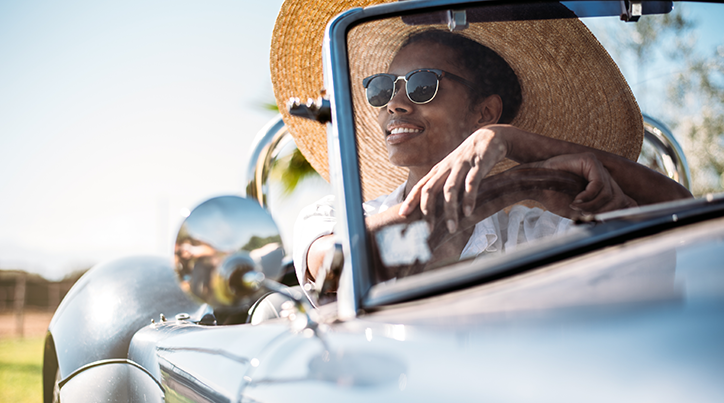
(621, 305)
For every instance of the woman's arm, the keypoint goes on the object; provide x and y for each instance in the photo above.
(460, 173)
(642, 184)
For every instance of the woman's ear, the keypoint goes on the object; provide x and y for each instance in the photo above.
(490, 110)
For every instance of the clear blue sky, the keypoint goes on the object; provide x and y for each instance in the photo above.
(114, 116)
(117, 115)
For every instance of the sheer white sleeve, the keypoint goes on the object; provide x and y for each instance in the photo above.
(314, 221)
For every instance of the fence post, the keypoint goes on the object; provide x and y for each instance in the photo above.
(19, 304)
(53, 296)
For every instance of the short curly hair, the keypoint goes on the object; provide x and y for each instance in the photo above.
(490, 72)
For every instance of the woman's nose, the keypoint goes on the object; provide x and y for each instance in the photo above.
(399, 102)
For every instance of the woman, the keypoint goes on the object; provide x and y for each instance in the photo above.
(451, 140)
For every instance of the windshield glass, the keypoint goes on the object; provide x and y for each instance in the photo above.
(485, 131)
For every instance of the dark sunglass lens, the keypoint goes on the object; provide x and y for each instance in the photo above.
(421, 86)
(380, 90)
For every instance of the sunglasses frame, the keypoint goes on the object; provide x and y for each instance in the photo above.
(439, 74)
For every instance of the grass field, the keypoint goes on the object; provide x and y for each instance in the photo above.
(21, 358)
(21, 369)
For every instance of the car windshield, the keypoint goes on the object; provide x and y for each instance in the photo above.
(487, 131)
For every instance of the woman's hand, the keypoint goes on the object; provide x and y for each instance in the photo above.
(602, 193)
(459, 174)
(465, 167)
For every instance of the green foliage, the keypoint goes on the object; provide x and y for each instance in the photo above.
(291, 170)
(21, 370)
(270, 106)
(257, 242)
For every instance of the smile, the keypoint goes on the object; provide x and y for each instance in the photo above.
(399, 130)
(400, 134)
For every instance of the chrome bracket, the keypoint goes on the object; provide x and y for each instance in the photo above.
(631, 10)
(457, 20)
(319, 109)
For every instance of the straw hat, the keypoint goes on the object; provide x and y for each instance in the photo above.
(572, 90)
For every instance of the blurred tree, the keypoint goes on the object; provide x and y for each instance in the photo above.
(665, 47)
(700, 87)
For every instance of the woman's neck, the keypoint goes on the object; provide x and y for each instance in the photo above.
(414, 176)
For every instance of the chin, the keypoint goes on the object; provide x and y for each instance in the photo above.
(402, 161)
(406, 161)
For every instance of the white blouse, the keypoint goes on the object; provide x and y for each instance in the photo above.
(498, 233)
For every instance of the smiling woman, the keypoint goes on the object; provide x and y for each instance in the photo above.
(420, 141)
(437, 112)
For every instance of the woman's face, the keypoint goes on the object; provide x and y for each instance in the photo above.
(419, 136)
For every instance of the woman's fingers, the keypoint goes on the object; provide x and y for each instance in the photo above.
(602, 193)
(442, 180)
(411, 201)
(618, 200)
(594, 197)
(427, 198)
(451, 190)
(459, 172)
(472, 182)
(592, 190)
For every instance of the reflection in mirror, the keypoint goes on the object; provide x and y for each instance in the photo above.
(480, 140)
(221, 240)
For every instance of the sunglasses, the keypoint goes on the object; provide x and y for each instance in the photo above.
(420, 85)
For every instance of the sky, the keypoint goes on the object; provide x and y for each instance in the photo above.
(117, 116)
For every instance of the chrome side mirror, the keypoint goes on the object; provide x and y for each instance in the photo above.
(221, 241)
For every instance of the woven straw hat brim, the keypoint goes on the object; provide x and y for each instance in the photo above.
(572, 90)
(296, 68)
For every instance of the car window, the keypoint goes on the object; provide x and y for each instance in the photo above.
(479, 135)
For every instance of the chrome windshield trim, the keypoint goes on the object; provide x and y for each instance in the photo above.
(343, 167)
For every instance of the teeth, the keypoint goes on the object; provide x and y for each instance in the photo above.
(399, 130)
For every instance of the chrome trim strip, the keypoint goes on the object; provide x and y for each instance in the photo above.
(343, 166)
(107, 362)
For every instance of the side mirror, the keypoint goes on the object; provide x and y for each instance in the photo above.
(222, 240)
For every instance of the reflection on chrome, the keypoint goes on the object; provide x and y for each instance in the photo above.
(221, 240)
